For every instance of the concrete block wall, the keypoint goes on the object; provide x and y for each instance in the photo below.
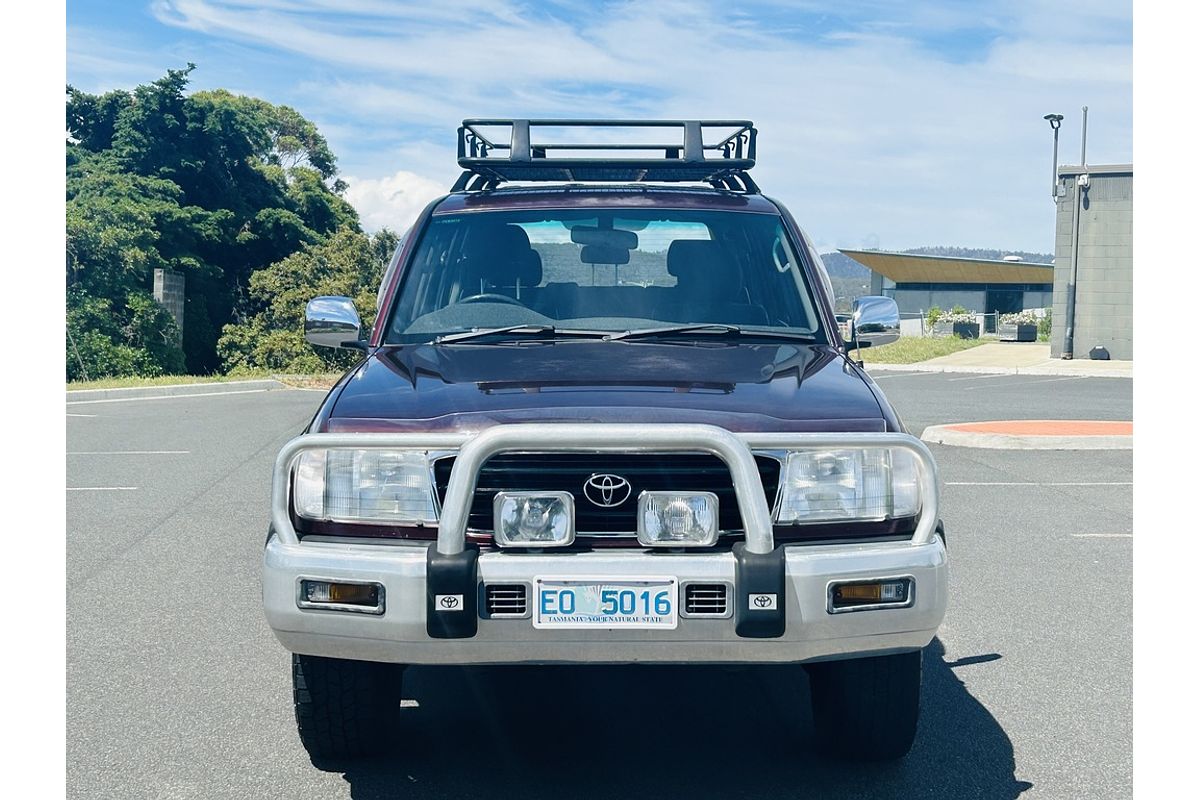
(1104, 281)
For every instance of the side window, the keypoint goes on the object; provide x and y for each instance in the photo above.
(390, 271)
(776, 278)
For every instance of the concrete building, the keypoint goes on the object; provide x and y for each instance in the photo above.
(919, 282)
(1104, 274)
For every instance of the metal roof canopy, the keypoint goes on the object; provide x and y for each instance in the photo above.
(921, 268)
(1065, 170)
(490, 161)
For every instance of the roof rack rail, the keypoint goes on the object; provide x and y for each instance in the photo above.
(488, 162)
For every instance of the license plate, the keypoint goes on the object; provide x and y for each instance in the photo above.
(607, 603)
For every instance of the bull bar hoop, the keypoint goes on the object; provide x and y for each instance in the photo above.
(735, 449)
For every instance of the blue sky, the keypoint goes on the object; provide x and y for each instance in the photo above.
(881, 124)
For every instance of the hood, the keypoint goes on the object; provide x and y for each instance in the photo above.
(741, 387)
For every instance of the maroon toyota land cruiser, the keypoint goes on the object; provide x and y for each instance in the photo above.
(605, 416)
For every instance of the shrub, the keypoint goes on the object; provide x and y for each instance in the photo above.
(1026, 317)
(1044, 327)
(959, 314)
(105, 340)
(348, 263)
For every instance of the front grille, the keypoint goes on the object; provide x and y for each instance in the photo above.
(506, 599)
(706, 599)
(567, 472)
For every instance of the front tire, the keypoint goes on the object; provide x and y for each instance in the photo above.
(866, 709)
(344, 709)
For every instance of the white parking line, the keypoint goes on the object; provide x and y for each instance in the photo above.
(101, 488)
(1028, 383)
(129, 453)
(980, 377)
(81, 415)
(1102, 535)
(163, 397)
(899, 374)
(1033, 483)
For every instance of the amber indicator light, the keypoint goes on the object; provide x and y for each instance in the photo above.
(349, 594)
(894, 592)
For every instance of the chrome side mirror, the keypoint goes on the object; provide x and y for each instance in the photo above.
(332, 322)
(874, 321)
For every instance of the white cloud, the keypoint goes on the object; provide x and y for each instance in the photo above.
(393, 201)
(867, 128)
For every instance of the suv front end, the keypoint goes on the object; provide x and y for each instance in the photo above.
(780, 602)
(605, 426)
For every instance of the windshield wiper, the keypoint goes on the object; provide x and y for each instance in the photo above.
(708, 329)
(516, 330)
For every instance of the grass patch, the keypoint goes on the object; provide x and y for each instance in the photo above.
(911, 349)
(317, 381)
(321, 380)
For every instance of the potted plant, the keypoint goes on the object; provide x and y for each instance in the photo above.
(957, 322)
(1018, 327)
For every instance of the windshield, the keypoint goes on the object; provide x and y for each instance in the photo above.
(611, 270)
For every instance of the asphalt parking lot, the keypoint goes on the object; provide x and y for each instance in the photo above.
(176, 688)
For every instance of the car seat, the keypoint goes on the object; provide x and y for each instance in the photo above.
(498, 259)
(710, 286)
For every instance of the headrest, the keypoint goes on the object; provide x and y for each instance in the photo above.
(700, 262)
(502, 255)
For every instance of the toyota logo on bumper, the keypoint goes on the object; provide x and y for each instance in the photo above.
(607, 490)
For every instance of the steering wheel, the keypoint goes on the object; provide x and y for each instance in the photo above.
(490, 297)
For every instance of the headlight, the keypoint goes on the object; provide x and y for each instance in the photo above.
(860, 484)
(372, 485)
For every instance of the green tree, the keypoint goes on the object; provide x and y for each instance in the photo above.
(349, 263)
(211, 185)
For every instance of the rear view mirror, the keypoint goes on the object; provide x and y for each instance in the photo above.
(604, 237)
(874, 321)
(332, 322)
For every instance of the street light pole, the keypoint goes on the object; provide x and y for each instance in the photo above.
(1055, 121)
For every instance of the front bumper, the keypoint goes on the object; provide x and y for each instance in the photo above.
(400, 634)
(411, 631)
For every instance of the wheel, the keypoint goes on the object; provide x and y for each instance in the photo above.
(344, 709)
(490, 297)
(866, 709)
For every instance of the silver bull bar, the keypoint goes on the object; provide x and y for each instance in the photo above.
(735, 449)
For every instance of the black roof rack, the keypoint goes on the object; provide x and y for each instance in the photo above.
(488, 162)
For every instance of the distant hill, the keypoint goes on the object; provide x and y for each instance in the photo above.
(977, 252)
(840, 266)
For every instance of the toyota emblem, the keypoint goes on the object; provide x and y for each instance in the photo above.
(607, 491)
